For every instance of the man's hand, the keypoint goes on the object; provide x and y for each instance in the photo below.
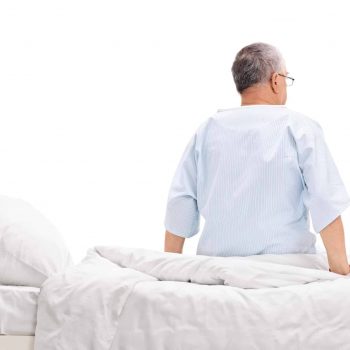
(173, 243)
(348, 271)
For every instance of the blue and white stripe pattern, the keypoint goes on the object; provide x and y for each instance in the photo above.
(254, 173)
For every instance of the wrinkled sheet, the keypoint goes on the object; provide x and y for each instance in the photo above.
(133, 298)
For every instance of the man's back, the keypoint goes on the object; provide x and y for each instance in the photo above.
(253, 172)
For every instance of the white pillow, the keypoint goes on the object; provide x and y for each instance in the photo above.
(31, 248)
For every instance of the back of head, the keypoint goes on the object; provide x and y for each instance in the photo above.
(254, 64)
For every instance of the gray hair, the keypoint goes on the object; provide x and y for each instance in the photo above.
(255, 64)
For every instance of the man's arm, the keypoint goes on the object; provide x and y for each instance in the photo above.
(325, 194)
(182, 214)
(173, 243)
(334, 242)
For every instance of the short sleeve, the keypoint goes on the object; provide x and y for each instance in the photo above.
(182, 216)
(325, 194)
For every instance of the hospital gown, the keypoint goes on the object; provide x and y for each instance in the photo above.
(255, 173)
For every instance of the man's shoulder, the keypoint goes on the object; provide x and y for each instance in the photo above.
(297, 120)
(205, 123)
(297, 116)
(302, 120)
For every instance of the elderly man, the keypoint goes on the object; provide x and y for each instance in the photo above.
(255, 171)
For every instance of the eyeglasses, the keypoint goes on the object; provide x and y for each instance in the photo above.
(290, 81)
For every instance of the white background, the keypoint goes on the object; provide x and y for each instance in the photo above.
(99, 98)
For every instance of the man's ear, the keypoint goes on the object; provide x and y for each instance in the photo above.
(274, 83)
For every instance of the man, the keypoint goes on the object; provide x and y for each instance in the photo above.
(254, 172)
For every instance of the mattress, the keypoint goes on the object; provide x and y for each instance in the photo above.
(18, 309)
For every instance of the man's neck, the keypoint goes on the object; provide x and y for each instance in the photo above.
(253, 96)
(256, 101)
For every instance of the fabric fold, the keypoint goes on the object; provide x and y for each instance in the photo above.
(240, 272)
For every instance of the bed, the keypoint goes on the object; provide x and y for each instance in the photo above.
(120, 298)
(132, 298)
(18, 308)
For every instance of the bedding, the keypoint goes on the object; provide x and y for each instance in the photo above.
(18, 308)
(133, 298)
(31, 248)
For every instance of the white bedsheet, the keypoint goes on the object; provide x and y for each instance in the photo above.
(18, 308)
(131, 298)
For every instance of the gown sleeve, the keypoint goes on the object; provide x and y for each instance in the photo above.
(182, 217)
(325, 194)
